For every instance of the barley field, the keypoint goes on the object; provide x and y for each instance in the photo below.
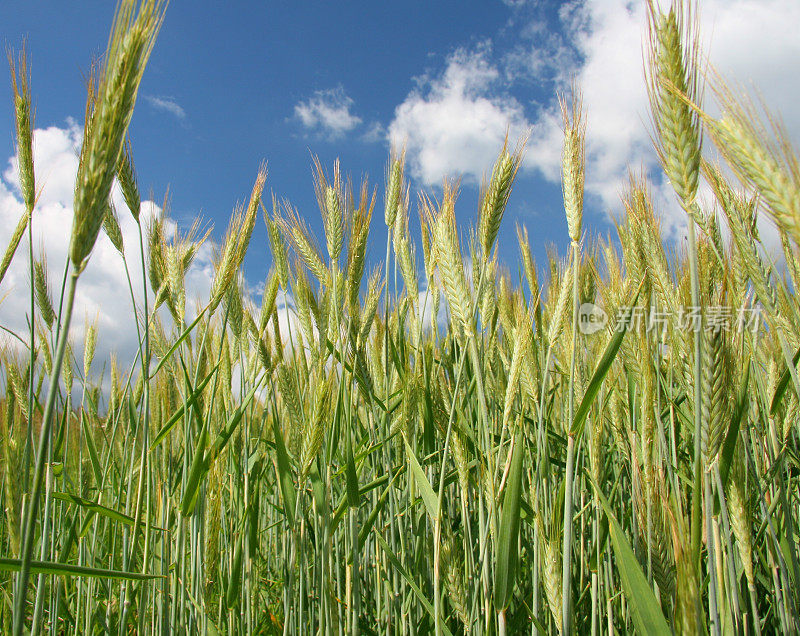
(604, 444)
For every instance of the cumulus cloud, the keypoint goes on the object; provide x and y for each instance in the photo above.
(167, 104)
(328, 112)
(103, 296)
(455, 123)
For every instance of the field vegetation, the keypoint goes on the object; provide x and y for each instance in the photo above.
(347, 463)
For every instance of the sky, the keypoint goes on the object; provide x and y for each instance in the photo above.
(230, 85)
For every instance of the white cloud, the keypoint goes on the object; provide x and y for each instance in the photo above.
(102, 294)
(167, 104)
(455, 123)
(375, 133)
(328, 111)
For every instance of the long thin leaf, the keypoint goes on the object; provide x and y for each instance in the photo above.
(97, 508)
(645, 610)
(63, 569)
(426, 491)
(599, 375)
(505, 572)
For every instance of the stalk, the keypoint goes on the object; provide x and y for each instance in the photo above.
(566, 554)
(697, 482)
(26, 553)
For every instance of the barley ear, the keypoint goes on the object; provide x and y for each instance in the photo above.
(494, 197)
(126, 175)
(43, 300)
(394, 185)
(447, 252)
(761, 155)
(16, 237)
(131, 42)
(573, 163)
(24, 118)
(112, 229)
(89, 347)
(672, 69)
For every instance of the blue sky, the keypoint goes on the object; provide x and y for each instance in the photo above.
(232, 84)
(222, 86)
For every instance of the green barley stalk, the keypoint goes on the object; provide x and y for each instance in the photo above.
(131, 41)
(573, 170)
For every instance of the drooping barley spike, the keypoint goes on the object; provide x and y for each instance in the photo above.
(405, 420)
(738, 212)
(172, 291)
(487, 301)
(126, 175)
(673, 76)
(654, 534)
(43, 300)
(131, 42)
(24, 119)
(184, 249)
(276, 333)
(764, 160)
(573, 163)
(112, 229)
(232, 301)
(16, 237)
(494, 197)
